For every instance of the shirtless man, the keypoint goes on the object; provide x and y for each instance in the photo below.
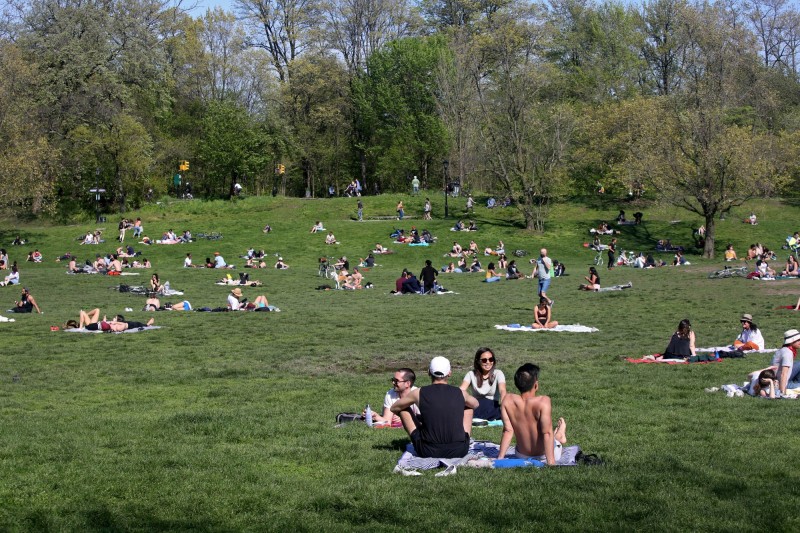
(527, 417)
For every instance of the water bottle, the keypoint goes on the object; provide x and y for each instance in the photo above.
(368, 415)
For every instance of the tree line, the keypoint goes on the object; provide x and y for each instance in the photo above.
(694, 101)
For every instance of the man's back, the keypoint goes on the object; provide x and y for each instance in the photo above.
(428, 274)
(531, 420)
(441, 408)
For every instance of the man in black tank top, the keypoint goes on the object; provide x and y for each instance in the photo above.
(445, 415)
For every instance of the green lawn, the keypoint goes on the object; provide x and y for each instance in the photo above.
(224, 421)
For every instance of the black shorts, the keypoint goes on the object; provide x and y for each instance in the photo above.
(446, 450)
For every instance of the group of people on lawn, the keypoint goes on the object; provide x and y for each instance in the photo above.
(438, 417)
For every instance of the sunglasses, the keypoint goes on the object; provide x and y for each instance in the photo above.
(396, 381)
(489, 360)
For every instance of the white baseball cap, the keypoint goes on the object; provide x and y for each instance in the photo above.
(440, 367)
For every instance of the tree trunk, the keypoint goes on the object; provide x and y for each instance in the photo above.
(708, 248)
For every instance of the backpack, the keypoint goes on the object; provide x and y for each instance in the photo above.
(590, 459)
(520, 253)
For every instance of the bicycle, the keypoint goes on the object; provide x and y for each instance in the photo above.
(729, 272)
(213, 236)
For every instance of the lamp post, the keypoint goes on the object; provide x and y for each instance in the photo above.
(97, 192)
(446, 166)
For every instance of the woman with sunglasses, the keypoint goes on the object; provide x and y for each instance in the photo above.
(488, 384)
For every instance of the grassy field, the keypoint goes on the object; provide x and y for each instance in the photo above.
(224, 421)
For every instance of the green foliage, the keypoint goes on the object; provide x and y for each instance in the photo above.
(396, 106)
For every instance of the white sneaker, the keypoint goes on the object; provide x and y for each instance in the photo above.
(449, 471)
(405, 471)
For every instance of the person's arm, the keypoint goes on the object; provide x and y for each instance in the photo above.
(772, 386)
(691, 343)
(785, 371)
(546, 430)
(501, 387)
(404, 403)
(549, 314)
(796, 307)
(470, 402)
(465, 384)
(508, 434)
(33, 302)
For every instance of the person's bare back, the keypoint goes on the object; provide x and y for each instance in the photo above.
(529, 418)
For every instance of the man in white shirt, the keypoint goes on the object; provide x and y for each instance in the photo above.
(402, 384)
(219, 261)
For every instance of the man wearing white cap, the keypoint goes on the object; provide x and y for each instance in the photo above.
(445, 415)
(783, 361)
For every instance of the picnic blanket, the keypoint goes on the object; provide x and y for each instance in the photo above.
(484, 453)
(733, 390)
(423, 243)
(572, 328)
(616, 287)
(134, 330)
(727, 348)
(652, 359)
(237, 283)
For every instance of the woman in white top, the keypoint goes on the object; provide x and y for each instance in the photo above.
(750, 338)
(488, 385)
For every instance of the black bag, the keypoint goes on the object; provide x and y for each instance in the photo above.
(733, 354)
(590, 459)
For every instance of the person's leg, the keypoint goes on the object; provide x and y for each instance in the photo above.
(560, 434)
(407, 419)
(551, 324)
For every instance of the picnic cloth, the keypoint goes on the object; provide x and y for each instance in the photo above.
(235, 282)
(729, 347)
(134, 330)
(647, 359)
(615, 288)
(423, 243)
(733, 390)
(572, 328)
(477, 450)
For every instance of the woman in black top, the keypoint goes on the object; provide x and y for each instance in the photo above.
(681, 344)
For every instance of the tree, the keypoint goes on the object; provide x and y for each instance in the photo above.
(526, 131)
(281, 27)
(397, 113)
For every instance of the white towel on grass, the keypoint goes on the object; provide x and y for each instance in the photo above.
(572, 328)
(729, 348)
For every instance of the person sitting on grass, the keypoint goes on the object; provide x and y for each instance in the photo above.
(592, 281)
(402, 384)
(763, 270)
(317, 227)
(491, 275)
(411, 284)
(791, 268)
(542, 314)
(750, 338)
(12, 278)
(730, 253)
(502, 263)
(459, 226)
(488, 384)
(330, 238)
(280, 265)
(451, 268)
(456, 250)
(26, 303)
(219, 261)
(353, 281)
(682, 343)
(512, 272)
(445, 421)
(528, 418)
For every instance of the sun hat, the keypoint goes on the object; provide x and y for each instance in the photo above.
(237, 292)
(440, 366)
(747, 318)
(791, 336)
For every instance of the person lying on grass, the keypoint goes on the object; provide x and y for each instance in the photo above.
(766, 385)
(91, 322)
(542, 315)
(787, 371)
(445, 420)
(153, 304)
(528, 418)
